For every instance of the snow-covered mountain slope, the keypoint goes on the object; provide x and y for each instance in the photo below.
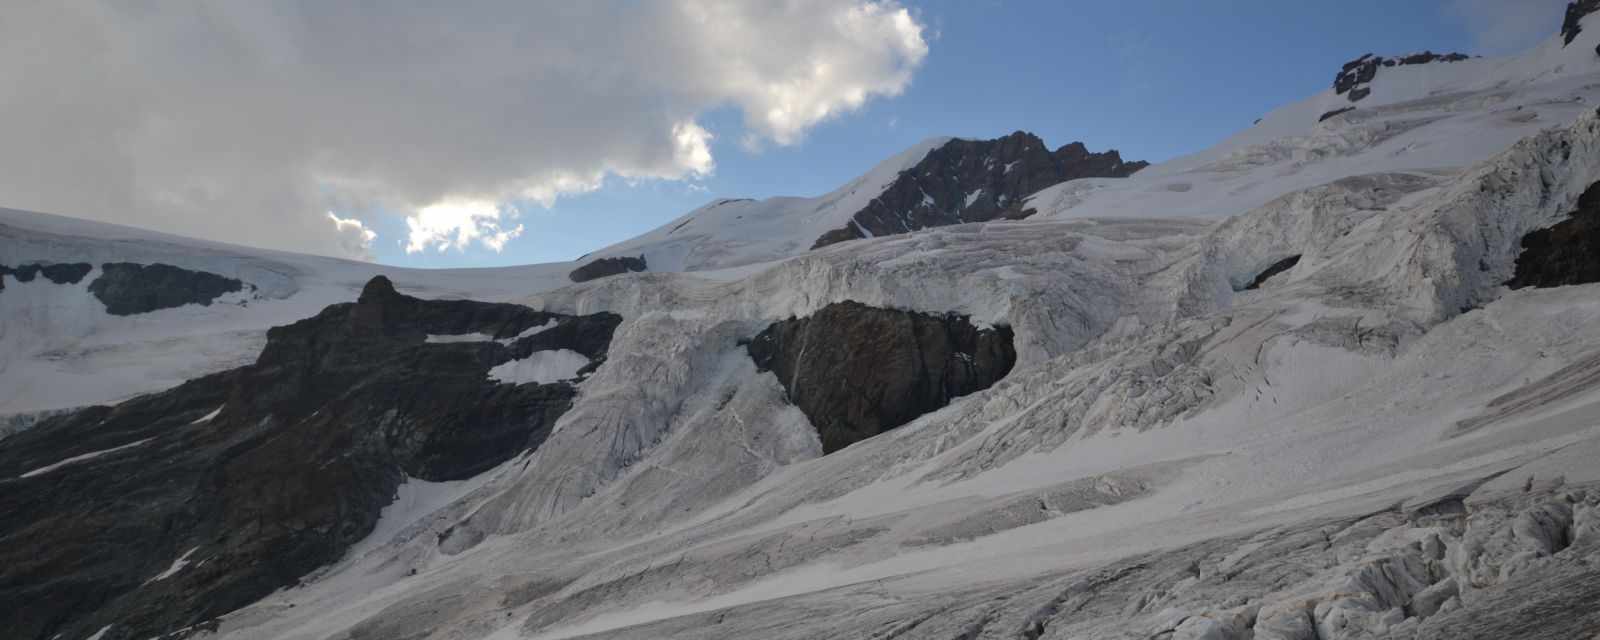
(938, 182)
(735, 232)
(1322, 417)
(1434, 117)
(61, 348)
(1317, 453)
(1439, 116)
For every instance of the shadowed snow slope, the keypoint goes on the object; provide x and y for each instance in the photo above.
(1275, 390)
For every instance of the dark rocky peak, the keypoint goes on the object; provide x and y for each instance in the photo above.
(976, 181)
(1354, 77)
(259, 475)
(858, 371)
(380, 288)
(1572, 24)
(384, 312)
(605, 267)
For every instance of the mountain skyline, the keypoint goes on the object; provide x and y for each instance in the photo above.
(1334, 375)
(1122, 79)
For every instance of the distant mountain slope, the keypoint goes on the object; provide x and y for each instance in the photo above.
(975, 181)
(1425, 113)
(68, 342)
(1421, 112)
(938, 182)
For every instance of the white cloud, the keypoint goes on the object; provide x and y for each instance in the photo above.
(246, 121)
(457, 224)
(1508, 26)
(355, 239)
(791, 83)
(693, 148)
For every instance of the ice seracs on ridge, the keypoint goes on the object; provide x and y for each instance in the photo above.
(1193, 442)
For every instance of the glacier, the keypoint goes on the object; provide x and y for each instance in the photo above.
(1378, 440)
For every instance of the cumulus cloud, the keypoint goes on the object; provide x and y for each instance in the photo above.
(1509, 26)
(248, 121)
(354, 238)
(458, 224)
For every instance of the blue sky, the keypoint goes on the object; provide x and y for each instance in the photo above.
(1152, 78)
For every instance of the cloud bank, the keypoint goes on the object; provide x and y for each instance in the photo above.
(1508, 26)
(248, 121)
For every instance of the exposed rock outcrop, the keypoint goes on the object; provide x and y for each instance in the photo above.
(604, 267)
(1566, 253)
(1572, 24)
(857, 371)
(59, 273)
(976, 181)
(127, 288)
(1325, 116)
(1275, 269)
(1354, 77)
(172, 508)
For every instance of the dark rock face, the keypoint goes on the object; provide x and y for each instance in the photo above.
(1354, 76)
(1356, 72)
(976, 181)
(1571, 26)
(127, 288)
(608, 267)
(1566, 253)
(305, 448)
(59, 273)
(1427, 57)
(1324, 117)
(1275, 269)
(857, 371)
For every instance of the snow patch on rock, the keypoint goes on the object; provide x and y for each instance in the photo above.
(542, 367)
(208, 417)
(177, 565)
(484, 337)
(459, 337)
(80, 458)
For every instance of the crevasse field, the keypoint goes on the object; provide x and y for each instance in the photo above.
(1381, 440)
